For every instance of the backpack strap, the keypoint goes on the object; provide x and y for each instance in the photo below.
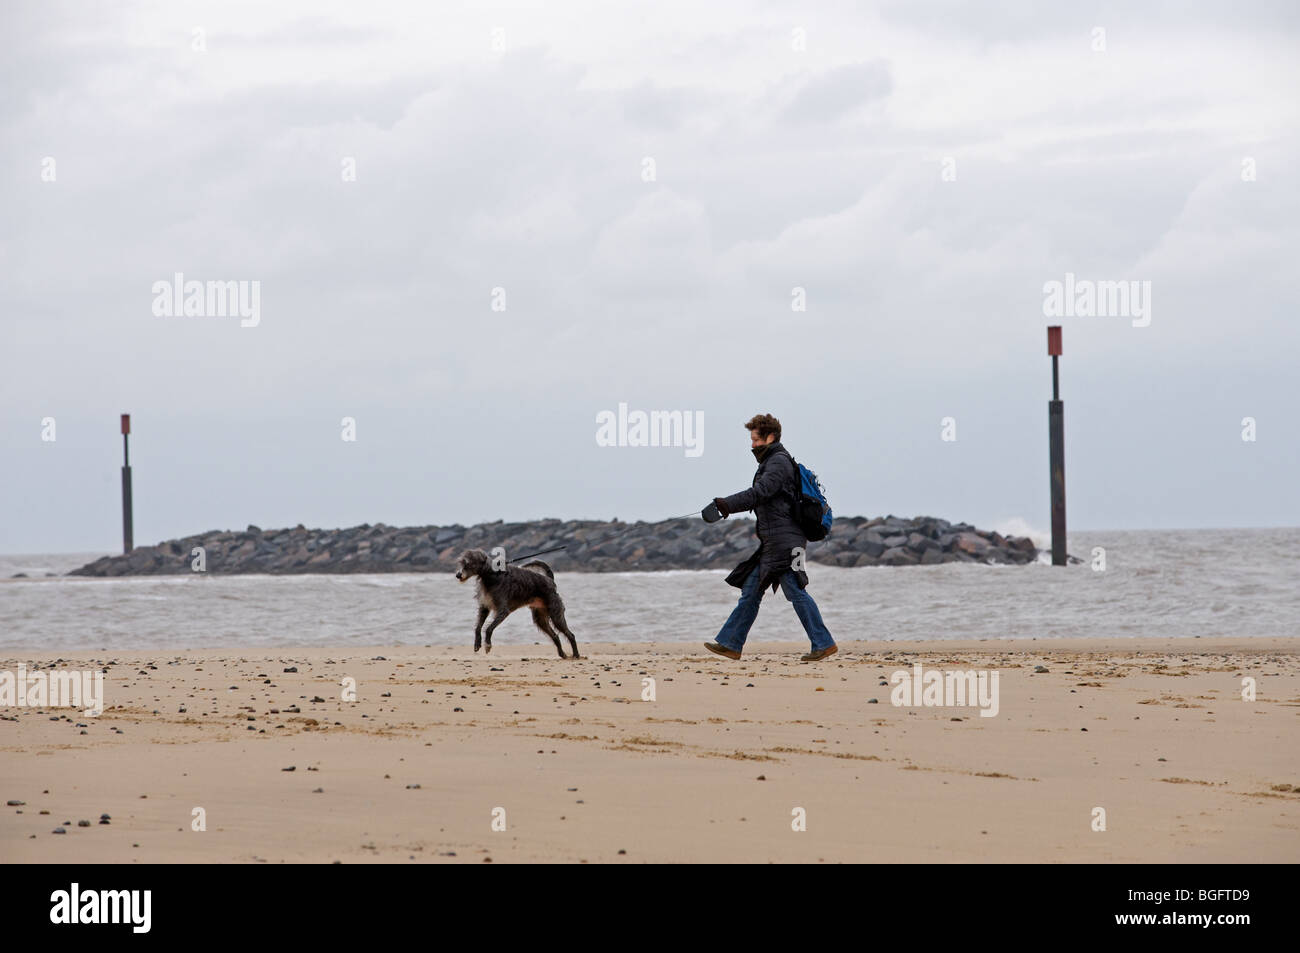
(796, 491)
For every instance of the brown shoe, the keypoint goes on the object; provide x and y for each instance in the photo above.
(819, 654)
(721, 650)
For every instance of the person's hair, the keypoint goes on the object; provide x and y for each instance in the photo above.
(764, 424)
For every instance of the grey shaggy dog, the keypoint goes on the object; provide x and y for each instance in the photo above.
(502, 591)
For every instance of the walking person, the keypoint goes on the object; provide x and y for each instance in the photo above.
(771, 497)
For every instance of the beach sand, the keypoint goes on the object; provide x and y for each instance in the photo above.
(715, 769)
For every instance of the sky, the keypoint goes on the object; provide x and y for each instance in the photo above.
(474, 228)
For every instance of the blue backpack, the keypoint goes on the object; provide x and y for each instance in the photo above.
(812, 511)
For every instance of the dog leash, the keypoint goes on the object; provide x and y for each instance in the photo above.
(599, 542)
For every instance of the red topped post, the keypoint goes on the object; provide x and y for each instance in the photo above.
(1056, 448)
(127, 528)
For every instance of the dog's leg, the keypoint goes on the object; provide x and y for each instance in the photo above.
(478, 629)
(556, 610)
(539, 617)
(492, 626)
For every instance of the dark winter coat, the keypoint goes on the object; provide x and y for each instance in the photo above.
(771, 497)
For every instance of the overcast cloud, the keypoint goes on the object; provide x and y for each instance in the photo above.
(505, 146)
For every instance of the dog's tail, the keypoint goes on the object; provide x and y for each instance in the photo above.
(538, 566)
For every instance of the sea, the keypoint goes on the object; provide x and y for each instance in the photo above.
(1184, 583)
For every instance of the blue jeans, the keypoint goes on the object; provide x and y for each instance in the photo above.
(736, 629)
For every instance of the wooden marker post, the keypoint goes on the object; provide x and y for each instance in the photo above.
(127, 530)
(1056, 452)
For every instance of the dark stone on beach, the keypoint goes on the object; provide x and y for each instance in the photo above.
(15, 803)
(83, 823)
(59, 830)
(292, 767)
(294, 669)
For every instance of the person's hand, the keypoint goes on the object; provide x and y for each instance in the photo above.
(721, 504)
